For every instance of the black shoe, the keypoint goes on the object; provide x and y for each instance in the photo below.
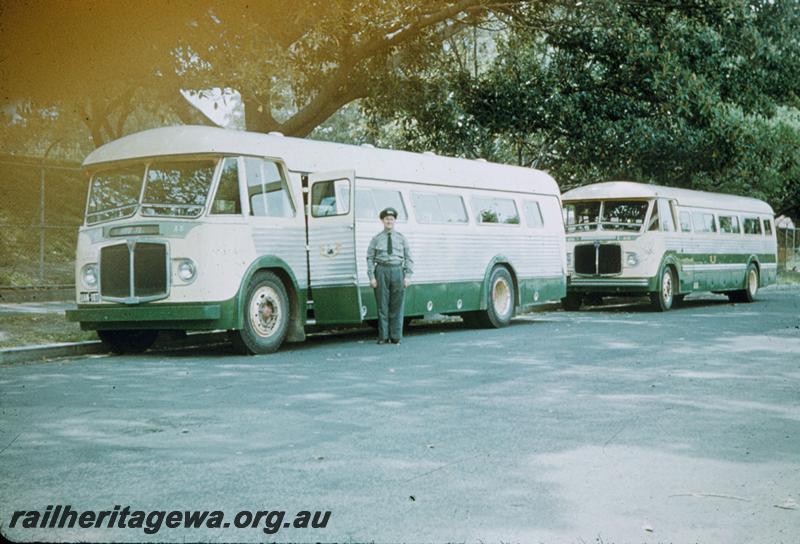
(393, 341)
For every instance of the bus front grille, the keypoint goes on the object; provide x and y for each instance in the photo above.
(594, 259)
(146, 261)
(609, 259)
(585, 259)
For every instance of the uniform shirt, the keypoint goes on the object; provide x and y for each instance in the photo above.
(377, 253)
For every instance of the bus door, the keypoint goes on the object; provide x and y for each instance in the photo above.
(681, 240)
(332, 247)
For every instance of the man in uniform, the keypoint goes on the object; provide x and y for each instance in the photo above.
(389, 266)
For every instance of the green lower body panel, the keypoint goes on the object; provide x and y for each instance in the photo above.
(452, 298)
(182, 316)
(724, 278)
(535, 291)
(337, 304)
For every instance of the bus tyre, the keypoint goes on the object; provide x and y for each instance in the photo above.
(663, 299)
(126, 342)
(500, 308)
(572, 302)
(748, 294)
(266, 316)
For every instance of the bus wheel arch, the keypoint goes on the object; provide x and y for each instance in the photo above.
(296, 331)
(664, 297)
(752, 280)
(501, 297)
(266, 313)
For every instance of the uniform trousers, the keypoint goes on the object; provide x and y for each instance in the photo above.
(390, 297)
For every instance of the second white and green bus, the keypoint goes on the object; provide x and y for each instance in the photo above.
(627, 238)
(198, 228)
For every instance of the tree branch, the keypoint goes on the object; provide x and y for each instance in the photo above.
(339, 89)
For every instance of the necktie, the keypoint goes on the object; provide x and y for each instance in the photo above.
(389, 245)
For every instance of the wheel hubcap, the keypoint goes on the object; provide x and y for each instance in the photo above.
(501, 297)
(666, 287)
(265, 311)
(752, 281)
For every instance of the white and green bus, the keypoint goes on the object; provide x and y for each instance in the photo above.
(198, 228)
(627, 238)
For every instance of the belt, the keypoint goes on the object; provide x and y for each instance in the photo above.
(389, 265)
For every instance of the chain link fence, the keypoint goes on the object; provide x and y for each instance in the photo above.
(41, 208)
(788, 251)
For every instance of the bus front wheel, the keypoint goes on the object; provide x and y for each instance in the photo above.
(662, 299)
(266, 316)
(127, 342)
(748, 294)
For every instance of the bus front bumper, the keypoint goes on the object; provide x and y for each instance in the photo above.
(188, 316)
(611, 286)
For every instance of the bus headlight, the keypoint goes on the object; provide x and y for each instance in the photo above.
(569, 259)
(89, 275)
(187, 270)
(631, 259)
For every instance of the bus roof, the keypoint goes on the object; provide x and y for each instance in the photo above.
(685, 197)
(302, 155)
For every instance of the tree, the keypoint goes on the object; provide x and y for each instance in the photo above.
(293, 65)
(683, 93)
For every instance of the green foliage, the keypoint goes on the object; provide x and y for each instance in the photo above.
(293, 65)
(685, 93)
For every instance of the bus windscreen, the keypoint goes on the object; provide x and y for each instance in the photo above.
(177, 188)
(114, 194)
(624, 214)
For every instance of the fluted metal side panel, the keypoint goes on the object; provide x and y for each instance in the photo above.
(332, 256)
(722, 245)
(287, 244)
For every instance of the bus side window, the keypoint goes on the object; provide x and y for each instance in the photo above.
(667, 221)
(653, 225)
(388, 198)
(697, 220)
(227, 199)
(365, 206)
(711, 226)
(686, 222)
(438, 208)
(452, 207)
(533, 214)
(767, 227)
(495, 210)
(266, 189)
(704, 222)
(729, 224)
(752, 225)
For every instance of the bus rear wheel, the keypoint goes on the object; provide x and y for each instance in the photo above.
(748, 294)
(127, 342)
(500, 307)
(662, 300)
(266, 316)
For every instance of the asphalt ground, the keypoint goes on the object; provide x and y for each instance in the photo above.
(614, 424)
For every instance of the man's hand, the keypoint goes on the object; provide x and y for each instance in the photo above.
(406, 282)
(374, 283)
